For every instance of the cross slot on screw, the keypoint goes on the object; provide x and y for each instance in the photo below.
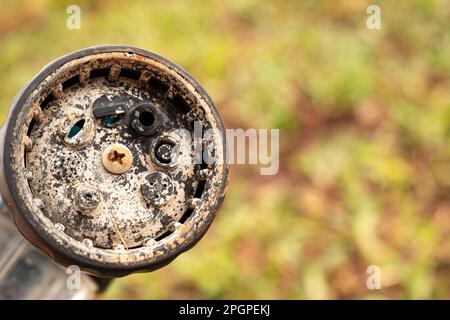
(117, 158)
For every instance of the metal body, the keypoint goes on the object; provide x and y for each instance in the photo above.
(25, 273)
(94, 170)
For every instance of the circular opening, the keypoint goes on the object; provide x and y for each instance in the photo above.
(164, 151)
(88, 196)
(146, 118)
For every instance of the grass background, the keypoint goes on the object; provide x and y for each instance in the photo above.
(364, 119)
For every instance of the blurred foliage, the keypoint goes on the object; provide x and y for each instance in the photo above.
(365, 137)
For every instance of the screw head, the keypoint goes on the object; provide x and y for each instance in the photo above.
(117, 158)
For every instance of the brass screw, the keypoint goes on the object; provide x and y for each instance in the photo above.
(117, 158)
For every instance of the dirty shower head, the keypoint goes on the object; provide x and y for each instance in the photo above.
(94, 170)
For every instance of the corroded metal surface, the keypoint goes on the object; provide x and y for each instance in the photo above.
(65, 165)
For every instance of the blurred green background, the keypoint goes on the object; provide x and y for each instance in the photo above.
(364, 119)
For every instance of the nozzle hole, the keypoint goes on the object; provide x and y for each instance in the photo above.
(186, 215)
(146, 118)
(70, 82)
(31, 127)
(164, 152)
(46, 101)
(76, 128)
(200, 188)
(99, 73)
(130, 74)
